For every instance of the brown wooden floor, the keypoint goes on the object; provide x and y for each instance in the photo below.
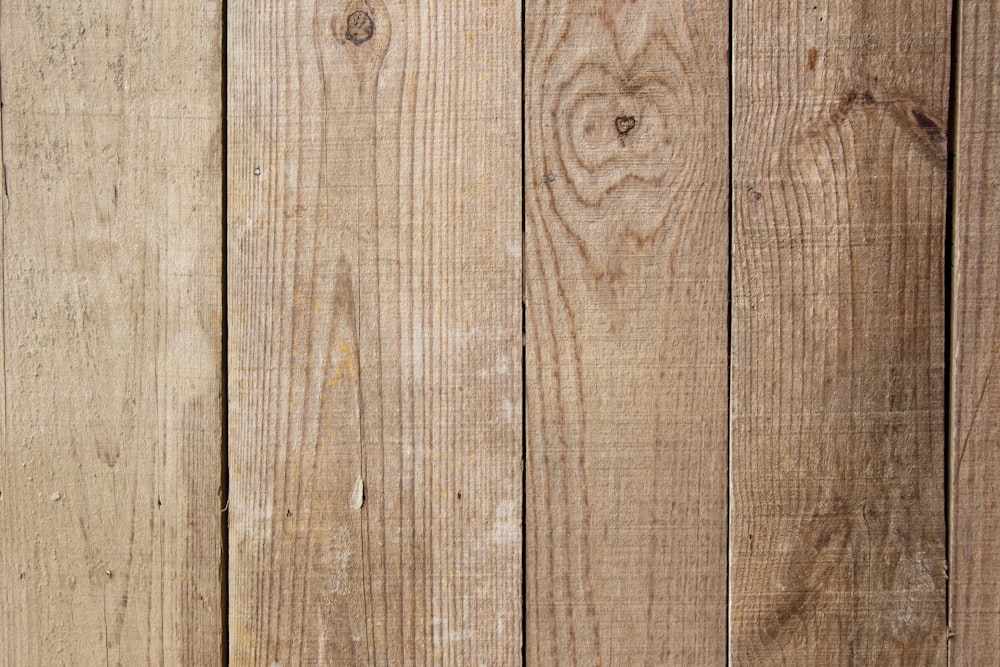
(563, 332)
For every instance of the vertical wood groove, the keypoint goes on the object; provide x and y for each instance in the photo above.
(524, 334)
(954, 98)
(730, 219)
(224, 334)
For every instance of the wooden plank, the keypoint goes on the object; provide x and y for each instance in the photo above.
(837, 420)
(112, 254)
(375, 332)
(626, 302)
(975, 429)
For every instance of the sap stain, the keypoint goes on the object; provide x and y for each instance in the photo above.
(360, 28)
(624, 124)
(924, 125)
(930, 127)
(907, 113)
(108, 453)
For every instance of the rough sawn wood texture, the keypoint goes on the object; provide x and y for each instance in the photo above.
(839, 194)
(572, 329)
(375, 324)
(626, 249)
(110, 535)
(975, 429)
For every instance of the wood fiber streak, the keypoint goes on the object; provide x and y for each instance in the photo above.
(837, 413)
(626, 297)
(975, 427)
(111, 252)
(374, 260)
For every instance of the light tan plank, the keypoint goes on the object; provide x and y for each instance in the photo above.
(112, 221)
(626, 253)
(839, 168)
(375, 332)
(975, 428)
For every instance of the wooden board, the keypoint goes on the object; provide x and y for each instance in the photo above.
(837, 413)
(626, 244)
(374, 257)
(975, 429)
(112, 256)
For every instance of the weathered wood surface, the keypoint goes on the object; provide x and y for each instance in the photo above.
(839, 189)
(112, 221)
(375, 357)
(626, 252)
(374, 290)
(975, 429)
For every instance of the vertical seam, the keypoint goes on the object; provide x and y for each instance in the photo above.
(729, 353)
(948, 280)
(224, 445)
(524, 369)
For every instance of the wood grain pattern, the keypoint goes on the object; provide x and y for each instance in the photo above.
(975, 429)
(839, 187)
(625, 279)
(112, 257)
(375, 332)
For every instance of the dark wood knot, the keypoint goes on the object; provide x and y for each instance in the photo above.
(360, 28)
(624, 124)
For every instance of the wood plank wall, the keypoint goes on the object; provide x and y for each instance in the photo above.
(565, 332)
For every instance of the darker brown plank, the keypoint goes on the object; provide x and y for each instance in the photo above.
(839, 187)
